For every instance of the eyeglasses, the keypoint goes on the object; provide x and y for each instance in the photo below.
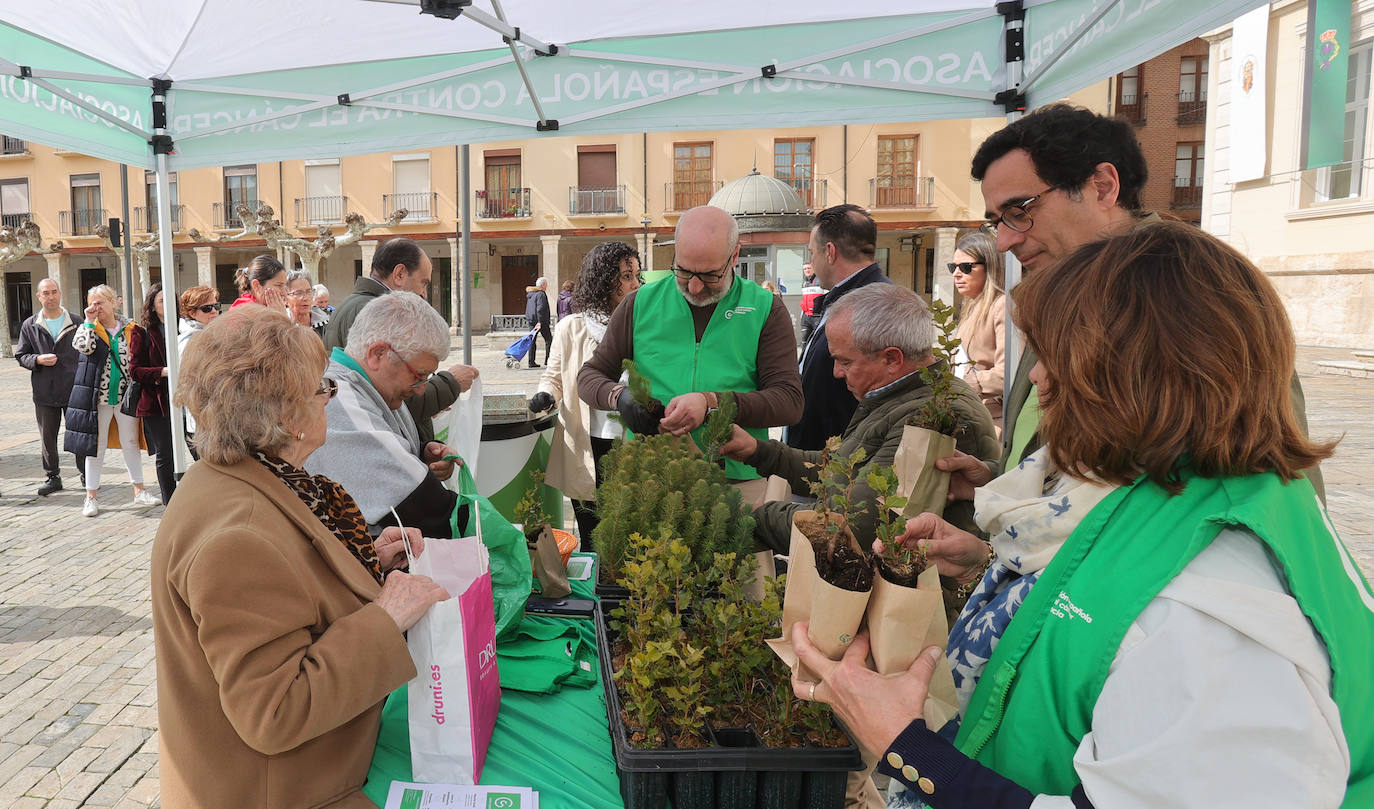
(1017, 215)
(706, 278)
(328, 388)
(207, 308)
(420, 379)
(300, 293)
(965, 267)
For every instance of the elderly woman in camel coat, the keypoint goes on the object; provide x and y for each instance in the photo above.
(278, 621)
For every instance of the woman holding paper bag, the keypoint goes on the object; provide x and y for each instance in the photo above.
(278, 621)
(1169, 620)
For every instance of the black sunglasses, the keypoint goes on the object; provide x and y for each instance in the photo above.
(964, 267)
(207, 308)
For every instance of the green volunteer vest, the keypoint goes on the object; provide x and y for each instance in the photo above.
(1035, 700)
(723, 360)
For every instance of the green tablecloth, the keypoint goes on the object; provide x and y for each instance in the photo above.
(559, 744)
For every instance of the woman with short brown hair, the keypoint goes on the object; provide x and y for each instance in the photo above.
(278, 620)
(1168, 619)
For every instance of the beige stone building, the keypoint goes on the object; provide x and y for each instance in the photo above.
(538, 205)
(1312, 231)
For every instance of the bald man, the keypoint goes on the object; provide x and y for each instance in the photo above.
(703, 332)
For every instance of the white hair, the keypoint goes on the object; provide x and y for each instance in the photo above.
(886, 316)
(402, 320)
(320, 289)
(541, 282)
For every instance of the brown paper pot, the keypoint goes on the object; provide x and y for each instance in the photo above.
(925, 487)
(901, 622)
(835, 614)
(548, 565)
(774, 489)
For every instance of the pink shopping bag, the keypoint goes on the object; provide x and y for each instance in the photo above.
(455, 698)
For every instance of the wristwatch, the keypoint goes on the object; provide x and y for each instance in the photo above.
(712, 403)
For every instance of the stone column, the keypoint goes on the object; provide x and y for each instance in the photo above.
(455, 296)
(368, 248)
(646, 250)
(944, 254)
(205, 266)
(68, 280)
(548, 267)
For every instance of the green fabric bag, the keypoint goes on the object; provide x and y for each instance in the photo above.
(545, 655)
(511, 575)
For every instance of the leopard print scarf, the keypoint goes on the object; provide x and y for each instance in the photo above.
(333, 506)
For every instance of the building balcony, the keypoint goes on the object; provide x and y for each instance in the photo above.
(13, 220)
(901, 192)
(10, 145)
(224, 217)
(683, 195)
(81, 221)
(596, 199)
(320, 210)
(1131, 108)
(1192, 108)
(502, 203)
(145, 219)
(421, 206)
(1186, 194)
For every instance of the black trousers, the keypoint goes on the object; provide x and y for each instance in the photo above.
(49, 422)
(547, 334)
(584, 511)
(158, 432)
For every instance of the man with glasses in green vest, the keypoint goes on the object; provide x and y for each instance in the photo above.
(701, 333)
(1052, 182)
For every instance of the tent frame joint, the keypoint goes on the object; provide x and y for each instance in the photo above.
(344, 100)
(1011, 100)
(25, 72)
(160, 86)
(769, 71)
(162, 144)
(548, 125)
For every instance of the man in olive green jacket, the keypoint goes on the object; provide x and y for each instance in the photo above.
(880, 339)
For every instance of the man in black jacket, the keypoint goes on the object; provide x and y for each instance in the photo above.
(537, 314)
(843, 244)
(45, 348)
(400, 264)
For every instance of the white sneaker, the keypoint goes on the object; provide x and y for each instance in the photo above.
(147, 498)
(91, 508)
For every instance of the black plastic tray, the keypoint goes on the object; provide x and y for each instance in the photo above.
(735, 772)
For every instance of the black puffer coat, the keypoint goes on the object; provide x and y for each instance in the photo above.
(83, 422)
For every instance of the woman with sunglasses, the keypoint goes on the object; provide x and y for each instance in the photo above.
(199, 307)
(610, 271)
(279, 621)
(978, 275)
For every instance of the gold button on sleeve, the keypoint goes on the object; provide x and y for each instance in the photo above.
(927, 786)
(910, 774)
(894, 760)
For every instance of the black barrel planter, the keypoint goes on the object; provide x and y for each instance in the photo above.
(735, 771)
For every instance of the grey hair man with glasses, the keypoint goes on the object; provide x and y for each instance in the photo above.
(696, 335)
(1053, 181)
(372, 447)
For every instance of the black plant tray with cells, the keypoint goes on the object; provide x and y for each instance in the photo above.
(734, 771)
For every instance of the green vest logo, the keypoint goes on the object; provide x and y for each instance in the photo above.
(738, 310)
(1064, 607)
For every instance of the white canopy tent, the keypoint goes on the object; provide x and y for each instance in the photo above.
(172, 84)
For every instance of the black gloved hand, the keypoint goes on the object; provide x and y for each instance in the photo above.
(634, 416)
(541, 401)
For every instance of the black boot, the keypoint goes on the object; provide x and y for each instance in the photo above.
(54, 484)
